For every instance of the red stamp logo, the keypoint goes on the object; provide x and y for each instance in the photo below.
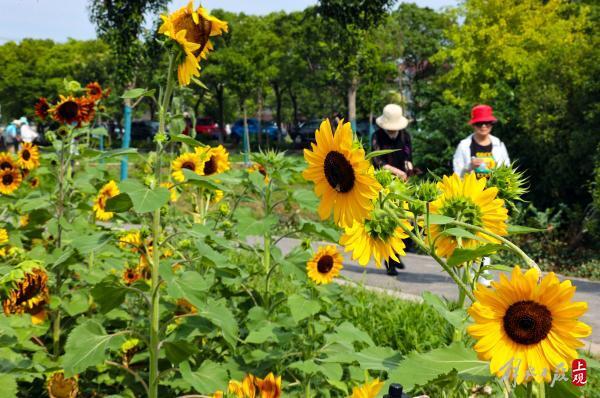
(579, 372)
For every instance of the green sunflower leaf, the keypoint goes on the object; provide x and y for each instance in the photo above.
(302, 308)
(119, 204)
(144, 199)
(520, 229)
(207, 379)
(461, 256)
(186, 139)
(439, 219)
(381, 152)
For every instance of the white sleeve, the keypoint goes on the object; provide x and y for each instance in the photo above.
(505, 159)
(458, 162)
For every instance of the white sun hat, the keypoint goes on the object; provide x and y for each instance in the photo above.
(392, 118)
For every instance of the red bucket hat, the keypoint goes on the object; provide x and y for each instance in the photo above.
(482, 113)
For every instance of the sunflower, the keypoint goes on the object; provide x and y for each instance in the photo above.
(94, 91)
(174, 195)
(30, 295)
(217, 197)
(467, 200)
(108, 191)
(7, 162)
(191, 31)
(217, 394)
(367, 390)
(29, 156)
(67, 110)
(190, 161)
(59, 387)
(34, 182)
(23, 221)
(216, 160)
(261, 169)
(344, 179)
(380, 237)
(3, 236)
(41, 108)
(522, 324)
(130, 275)
(131, 241)
(185, 307)
(243, 389)
(325, 265)
(10, 179)
(269, 387)
(87, 106)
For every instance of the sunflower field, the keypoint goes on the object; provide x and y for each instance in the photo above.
(174, 283)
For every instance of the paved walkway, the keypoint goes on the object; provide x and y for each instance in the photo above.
(422, 274)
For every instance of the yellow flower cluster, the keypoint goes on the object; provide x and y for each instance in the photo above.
(14, 171)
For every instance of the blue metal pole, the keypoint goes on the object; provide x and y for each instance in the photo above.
(126, 140)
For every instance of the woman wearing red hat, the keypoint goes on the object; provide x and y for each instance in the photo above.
(481, 151)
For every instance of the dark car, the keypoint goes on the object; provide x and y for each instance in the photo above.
(305, 133)
(270, 128)
(206, 126)
(143, 130)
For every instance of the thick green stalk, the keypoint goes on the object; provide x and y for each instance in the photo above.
(530, 389)
(542, 386)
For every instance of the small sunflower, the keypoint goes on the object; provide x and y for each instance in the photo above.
(325, 265)
(30, 295)
(344, 179)
(217, 197)
(41, 108)
(367, 390)
(190, 161)
(29, 156)
(7, 162)
(191, 30)
(131, 241)
(10, 179)
(67, 110)
(467, 200)
(174, 195)
(185, 307)
(269, 387)
(217, 394)
(243, 389)
(3, 236)
(377, 238)
(261, 169)
(130, 275)
(59, 387)
(94, 91)
(522, 324)
(108, 191)
(216, 160)
(23, 221)
(34, 182)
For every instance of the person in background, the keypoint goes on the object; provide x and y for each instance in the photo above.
(28, 134)
(480, 152)
(11, 135)
(392, 134)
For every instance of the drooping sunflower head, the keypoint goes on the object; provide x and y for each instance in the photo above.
(41, 108)
(325, 265)
(190, 161)
(3, 236)
(67, 110)
(108, 191)
(191, 30)
(379, 237)
(244, 389)
(367, 390)
(94, 91)
(61, 387)
(344, 180)
(216, 160)
(10, 179)
(34, 182)
(30, 295)
(7, 162)
(526, 327)
(467, 200)
(270, 386)
(174, 195)
(131, 241)
(29, 156)
(257, 167)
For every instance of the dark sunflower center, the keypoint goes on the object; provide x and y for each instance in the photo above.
(527, 322)
(26, 155)
(189, 166)
(68, 110)
(5, 165)
(262, 170)
(7, 179)
(210, 167)
(29, 289)
(325, 264)
(194, 33)
(339, 172)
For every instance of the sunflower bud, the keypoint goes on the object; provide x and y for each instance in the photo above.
(511, 184)
(59, 387)
(384, 177)
(426, 191)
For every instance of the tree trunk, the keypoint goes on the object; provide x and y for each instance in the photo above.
(278, 101)
(259, 117)
(221, 105)
(294, 100)
(246, 136)
(352, 102)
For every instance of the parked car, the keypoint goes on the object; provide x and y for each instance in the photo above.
(206, 126)
(143, 130)
(305, 132)
(270, 128)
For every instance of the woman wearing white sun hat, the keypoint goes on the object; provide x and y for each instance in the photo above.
(392, 134)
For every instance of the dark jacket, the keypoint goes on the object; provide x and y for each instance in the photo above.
(398, 159)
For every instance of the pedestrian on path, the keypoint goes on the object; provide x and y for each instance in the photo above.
(11, 136)
(392, 134)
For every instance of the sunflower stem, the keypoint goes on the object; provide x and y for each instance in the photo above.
(542, 386)
(530, 389)
(528, 261)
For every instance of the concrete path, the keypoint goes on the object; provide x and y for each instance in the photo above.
(422, 274)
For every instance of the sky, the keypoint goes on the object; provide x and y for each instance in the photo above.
(61, 19)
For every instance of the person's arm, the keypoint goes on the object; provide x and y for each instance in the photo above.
(459, 164)
(505, 159)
